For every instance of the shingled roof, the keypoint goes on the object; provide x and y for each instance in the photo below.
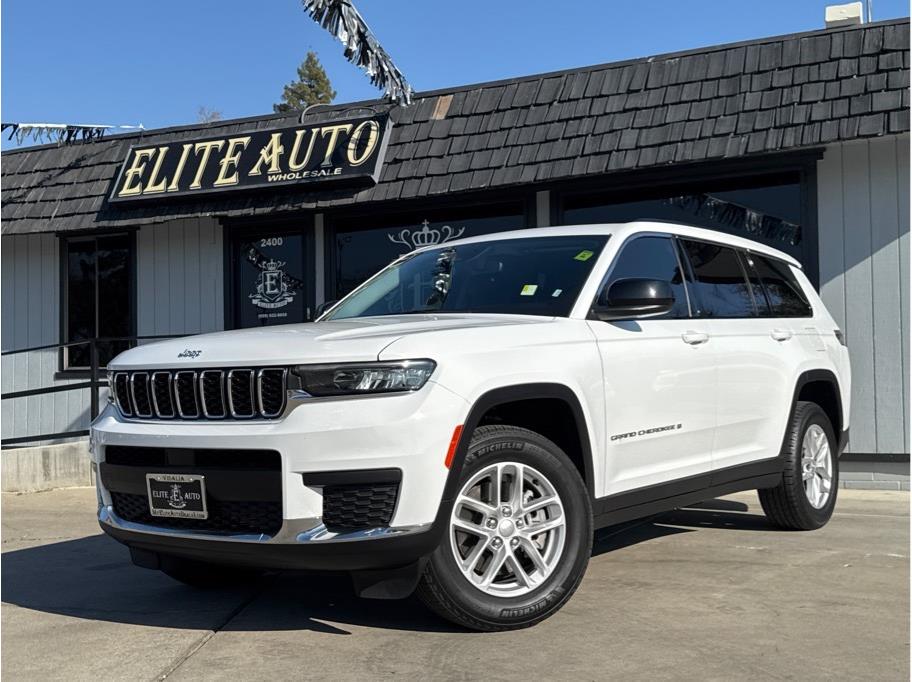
(770, 95)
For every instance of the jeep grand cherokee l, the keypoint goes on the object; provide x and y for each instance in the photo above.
(463, 421)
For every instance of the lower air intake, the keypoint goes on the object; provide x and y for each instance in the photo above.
(359, 506)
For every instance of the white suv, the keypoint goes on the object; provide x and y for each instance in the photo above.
(465, 419)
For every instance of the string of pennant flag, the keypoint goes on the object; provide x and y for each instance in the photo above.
(751, 221)
(362, 48)
(61, 133)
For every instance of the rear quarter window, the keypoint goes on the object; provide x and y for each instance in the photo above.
(786, 298)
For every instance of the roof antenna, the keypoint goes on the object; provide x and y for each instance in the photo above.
(870, 11)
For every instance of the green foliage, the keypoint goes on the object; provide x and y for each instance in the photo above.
(312, 87)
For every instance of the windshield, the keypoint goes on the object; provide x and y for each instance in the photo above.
(526, 276)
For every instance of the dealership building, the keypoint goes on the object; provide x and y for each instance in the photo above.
(798, 141)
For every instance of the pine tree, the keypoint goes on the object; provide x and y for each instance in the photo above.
(312, 87)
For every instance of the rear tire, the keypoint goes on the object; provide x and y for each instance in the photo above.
(518, 538)
(806, 495)
(202, 575)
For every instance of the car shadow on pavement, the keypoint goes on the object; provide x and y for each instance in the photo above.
(716, 513)
(92, 578)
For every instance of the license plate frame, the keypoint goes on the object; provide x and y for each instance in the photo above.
(179, 496)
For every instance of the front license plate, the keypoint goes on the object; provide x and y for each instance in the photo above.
(177, 495)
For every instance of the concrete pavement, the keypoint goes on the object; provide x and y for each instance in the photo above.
(711, 592)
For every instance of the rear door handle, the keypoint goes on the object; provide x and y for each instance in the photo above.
(781, 334)
(695, 338)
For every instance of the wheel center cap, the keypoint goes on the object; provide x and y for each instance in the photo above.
(506, 528)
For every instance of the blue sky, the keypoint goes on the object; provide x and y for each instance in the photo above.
(156, 63)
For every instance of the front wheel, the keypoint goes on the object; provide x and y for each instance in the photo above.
(519, 535)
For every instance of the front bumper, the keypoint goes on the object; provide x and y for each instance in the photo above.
(408, 432)
(308, 550)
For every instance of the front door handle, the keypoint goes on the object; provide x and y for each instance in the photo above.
(695, 338)
(781, 334)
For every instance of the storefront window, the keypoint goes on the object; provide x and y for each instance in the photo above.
(365, 245)
(98, 297)
(767, 208)
(269, 278)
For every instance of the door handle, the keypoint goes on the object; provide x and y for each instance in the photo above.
(781, 334)
(695, 338)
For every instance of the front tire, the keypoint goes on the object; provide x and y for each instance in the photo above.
(806, 495)
(518, 538)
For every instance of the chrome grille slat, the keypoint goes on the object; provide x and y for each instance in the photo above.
(241, 382)
(209, 395)
(279, 373)
(187, 407)
(139, 392)
(185, 394)
(122, 393)
(164, 411)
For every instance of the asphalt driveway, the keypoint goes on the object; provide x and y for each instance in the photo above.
(711, 592)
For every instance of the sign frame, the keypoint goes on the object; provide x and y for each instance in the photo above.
(370, 176)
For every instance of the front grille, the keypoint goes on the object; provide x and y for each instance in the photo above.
(237, 393)
(224, 516)
(352, 507)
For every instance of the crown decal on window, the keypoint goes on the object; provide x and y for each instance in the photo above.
(426, 236)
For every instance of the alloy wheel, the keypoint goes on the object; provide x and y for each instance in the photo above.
(816, 466)
(507, 529)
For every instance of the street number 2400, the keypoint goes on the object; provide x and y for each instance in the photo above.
(271, 241)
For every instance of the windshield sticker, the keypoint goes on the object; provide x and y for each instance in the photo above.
(529, 290)
(556, 293)
(584, 255)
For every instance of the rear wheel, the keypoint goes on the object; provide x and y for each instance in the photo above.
(518, 538)
(204, 575)
(806, 495)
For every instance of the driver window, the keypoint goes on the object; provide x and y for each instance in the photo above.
(652, 258)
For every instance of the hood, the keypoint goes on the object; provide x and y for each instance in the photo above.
(352, 340)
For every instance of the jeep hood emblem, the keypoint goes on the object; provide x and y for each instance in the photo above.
(187, 353)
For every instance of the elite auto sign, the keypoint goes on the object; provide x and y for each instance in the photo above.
(328, 151)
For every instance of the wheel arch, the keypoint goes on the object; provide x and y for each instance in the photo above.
(515, 395)
(820, 386)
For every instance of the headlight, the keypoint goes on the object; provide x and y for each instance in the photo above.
(364, 378)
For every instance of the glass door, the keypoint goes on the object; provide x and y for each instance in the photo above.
(269, 277)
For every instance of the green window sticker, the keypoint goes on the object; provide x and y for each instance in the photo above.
(584, 255)
(529, 290)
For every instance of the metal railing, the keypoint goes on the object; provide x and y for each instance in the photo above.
(94, 383)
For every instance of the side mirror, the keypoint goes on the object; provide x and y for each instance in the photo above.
(323, 307)
(634, 298)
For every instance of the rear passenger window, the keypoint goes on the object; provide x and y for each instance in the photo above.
(653, 258)
(721, 287)
(782, 288)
